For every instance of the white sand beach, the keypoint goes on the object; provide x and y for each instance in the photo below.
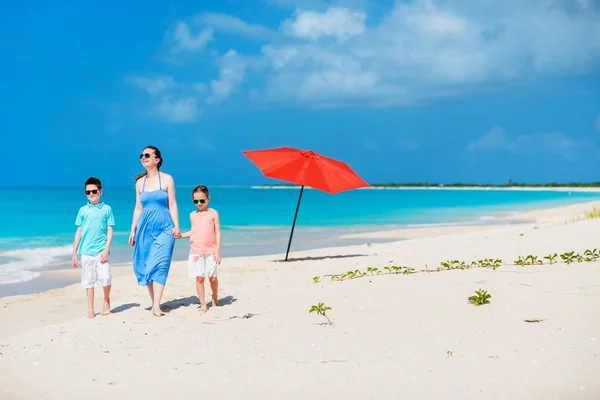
(394, 336)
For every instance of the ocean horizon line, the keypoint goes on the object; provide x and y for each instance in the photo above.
(374, 185)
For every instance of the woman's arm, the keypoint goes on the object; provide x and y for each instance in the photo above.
(173, 204)
(136, 213)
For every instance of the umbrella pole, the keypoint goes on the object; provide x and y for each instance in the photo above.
(294, 223)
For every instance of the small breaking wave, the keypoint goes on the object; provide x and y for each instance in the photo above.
(23, 265)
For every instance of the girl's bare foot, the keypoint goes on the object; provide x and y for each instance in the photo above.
(203, 309)
(106, 307)
(215, 300)
(91, 313)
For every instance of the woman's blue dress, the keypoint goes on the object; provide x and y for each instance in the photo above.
(154, 240)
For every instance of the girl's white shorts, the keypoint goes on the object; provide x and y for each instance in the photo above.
(202, 265)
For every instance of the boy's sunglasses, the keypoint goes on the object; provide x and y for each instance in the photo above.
(201, 201)
(145, 155)
(94, 191)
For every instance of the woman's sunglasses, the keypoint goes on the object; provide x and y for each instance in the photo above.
(94, 191)
(201, 201)
(145, 155)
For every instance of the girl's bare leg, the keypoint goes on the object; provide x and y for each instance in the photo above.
(214, 287)
(201, 293)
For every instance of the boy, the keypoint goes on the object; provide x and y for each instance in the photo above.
(93, 238)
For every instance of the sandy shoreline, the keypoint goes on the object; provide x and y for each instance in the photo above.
(394, 336)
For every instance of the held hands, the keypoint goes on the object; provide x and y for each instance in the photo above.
(176, 233)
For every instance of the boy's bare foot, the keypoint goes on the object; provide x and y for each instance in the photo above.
(106, 307)
(91, 314)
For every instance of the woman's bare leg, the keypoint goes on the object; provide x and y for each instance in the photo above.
(158, 293)
(151, 292)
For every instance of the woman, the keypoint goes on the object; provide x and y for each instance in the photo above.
(155, 226)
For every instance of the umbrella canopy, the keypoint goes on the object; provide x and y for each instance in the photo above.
(305, 168)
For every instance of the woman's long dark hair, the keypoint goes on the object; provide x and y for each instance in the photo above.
(157, 155)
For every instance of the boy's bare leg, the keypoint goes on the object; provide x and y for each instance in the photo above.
(106, 306)
(214, 287)
(201, 293)
(90, 298)
(157, 296)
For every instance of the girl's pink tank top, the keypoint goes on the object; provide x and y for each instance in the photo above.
(202, 234)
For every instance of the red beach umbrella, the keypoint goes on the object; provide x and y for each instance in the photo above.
(305, 168)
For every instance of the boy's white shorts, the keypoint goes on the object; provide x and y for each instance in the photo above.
(93, 271)
(202, 265)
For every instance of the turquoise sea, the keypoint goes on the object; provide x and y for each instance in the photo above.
(37, 226)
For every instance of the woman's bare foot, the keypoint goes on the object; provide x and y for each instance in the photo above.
(157, 313)
(106, 307)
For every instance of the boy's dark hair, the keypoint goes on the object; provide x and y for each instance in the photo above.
(93, 181)
(200, 188)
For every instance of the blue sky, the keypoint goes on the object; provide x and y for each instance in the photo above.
(438, 90)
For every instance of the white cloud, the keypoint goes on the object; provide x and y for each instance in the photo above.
(529, 144)
(231, 24)
(424, 49)
(152, 85)
(337, 22)
(177, 110)
(413, 52)
(185, 41)
(231, 74)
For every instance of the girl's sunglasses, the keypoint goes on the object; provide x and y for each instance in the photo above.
(201, 201)
(94, 191)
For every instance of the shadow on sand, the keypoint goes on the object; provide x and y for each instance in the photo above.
(124, 307)
(321, 258)
(188, 301)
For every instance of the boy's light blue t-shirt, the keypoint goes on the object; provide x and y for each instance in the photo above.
(94, 220)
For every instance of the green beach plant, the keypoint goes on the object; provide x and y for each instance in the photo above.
(316, 279)
(520, 261)
(591, 255)
(321, 309)
(568, 257)
(496, 263)
(408, 270)
(551, 258)
(532, 260)
(480, 297)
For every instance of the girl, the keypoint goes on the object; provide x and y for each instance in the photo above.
(154, 227)
(205, 245)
